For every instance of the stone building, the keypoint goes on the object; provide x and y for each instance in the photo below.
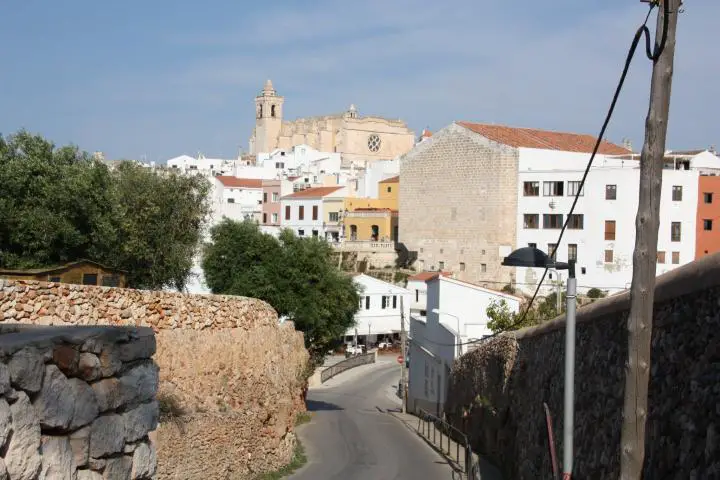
(360, 139)
(459, 196)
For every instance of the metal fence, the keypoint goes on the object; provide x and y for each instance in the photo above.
(347, 364)
(436, 429)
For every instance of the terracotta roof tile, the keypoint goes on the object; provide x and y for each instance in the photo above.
(237, 182)
(317, 192)
(426, 276)
(543, 139)
(394, 179)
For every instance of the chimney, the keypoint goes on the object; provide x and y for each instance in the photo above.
(627, 144)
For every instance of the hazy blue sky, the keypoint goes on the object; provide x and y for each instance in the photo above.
(161, 78)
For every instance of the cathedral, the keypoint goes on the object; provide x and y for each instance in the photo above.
(360, 139)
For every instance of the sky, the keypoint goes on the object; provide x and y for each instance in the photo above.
(153, 80)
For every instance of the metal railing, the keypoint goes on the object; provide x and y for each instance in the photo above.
(351, 362)
(434, 428)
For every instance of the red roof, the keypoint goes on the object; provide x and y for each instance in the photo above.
(316, 192)
(543, 139)
(237, 182)
(426, 133)
(394, 179)
(426, 276)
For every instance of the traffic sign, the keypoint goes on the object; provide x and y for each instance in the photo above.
(400, 359)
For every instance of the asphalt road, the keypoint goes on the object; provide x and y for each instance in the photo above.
(352, 437)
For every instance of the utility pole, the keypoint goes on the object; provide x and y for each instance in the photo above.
(642, 289)
(403, 340)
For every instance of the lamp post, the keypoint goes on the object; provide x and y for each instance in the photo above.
(459, 346)
(533, 257)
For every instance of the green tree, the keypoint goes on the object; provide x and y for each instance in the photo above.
(58, 205)
(501, 319)
(297, 276)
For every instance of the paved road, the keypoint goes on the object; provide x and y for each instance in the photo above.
(351, 437)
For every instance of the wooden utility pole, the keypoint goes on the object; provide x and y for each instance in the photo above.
(642, 290)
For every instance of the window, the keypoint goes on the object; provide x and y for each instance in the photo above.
(532, 245)
(531, 189)
(417, 295)
(334, 216)
(367, 303)
(55, 279)
(441, 265)
(707, 197)
(707, 224)
(677, 193)
(274, 218)
(572, 252)
(553, 189)
(301, 233)
(660, 257)
(315, 212)
(389, 189)
(315, 233)
(609, 229)
(301, 212)
(462, 266)
(531, 220)
(275, 197)
(483, 267)
(264, 197)
(676, 257)
(574, 188)
(385, 302)
(287, 212)
(231, 200)
(610, 192)
(264, 217)
(608, 256)
(394, 301)
(111, 280)
(552, 220)
(675, 232)
(89, 279)
(576, 221)
(552, 247)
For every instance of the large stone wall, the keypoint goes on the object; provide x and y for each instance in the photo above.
(497, 391)
(77, 403)
(231, 377)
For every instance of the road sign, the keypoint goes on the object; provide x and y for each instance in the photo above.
(400, 359)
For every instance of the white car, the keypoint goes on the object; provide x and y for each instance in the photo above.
(353, 350)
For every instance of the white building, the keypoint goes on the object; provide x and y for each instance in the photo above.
(299, 160)
(379, 317)
(367, 180)
(236, 198)
(304, 213)
(456, 315)
(601, 233)
(417, 284)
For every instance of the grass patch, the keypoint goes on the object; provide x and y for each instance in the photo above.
(303, 418)
(298, 460)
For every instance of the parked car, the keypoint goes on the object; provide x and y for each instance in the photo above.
(351, 350)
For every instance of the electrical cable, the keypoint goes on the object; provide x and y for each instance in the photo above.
(651, 55)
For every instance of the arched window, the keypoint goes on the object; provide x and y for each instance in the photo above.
(272, 111)
(259, 112)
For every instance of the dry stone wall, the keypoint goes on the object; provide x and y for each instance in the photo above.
(77, 403)
(231, 377)
(496, 392)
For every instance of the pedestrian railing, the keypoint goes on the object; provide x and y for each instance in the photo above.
(435, 429)
(347, 364)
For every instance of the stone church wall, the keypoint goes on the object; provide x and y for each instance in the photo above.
(496, 392)
(231, 377)
(77, 403)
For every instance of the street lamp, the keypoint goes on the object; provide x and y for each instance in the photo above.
(533, 257)
(438, 312)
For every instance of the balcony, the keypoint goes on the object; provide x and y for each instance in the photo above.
(365, 246)
(371, 214)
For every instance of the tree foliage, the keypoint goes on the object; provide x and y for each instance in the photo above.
(297, 276)
(501, 319)
(58, 205)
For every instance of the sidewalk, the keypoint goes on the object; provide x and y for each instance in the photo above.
(453, 452)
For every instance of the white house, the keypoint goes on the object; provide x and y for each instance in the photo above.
(369, 178)
(300, 159)
(456, 315)
(303, 212)
(236, 198)
(379, 317)
(417, 284)
(601, 233)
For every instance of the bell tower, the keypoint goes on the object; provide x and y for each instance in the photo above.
(268, 120)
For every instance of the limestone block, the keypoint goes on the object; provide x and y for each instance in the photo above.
(65, 403)
(144, 461)
(80, 444)
(108, 393)
(4, 378)
(66, 358)
(110, 362)
(141, 420)
(88, 475)
(89, 366)
(118, 468)
(57, 459)
(140, 384)
(26, 369)
(22, 458)
(107, 435)
(143, 347)
(5, 422)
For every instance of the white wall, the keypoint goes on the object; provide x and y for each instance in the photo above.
(375, 173)
(418, 291)
(300, 159)
(376, 320)
(307, 224)
(540, 166)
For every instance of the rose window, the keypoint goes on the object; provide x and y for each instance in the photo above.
(374, 143)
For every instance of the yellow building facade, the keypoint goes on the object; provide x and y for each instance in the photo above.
(373, 219)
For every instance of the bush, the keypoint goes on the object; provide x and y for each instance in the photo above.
(595, 293)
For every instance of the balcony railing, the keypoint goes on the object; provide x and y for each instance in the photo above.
(357, 214)
(365, 246)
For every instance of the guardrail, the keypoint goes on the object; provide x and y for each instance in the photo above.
(347, 364)
(428, 423)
